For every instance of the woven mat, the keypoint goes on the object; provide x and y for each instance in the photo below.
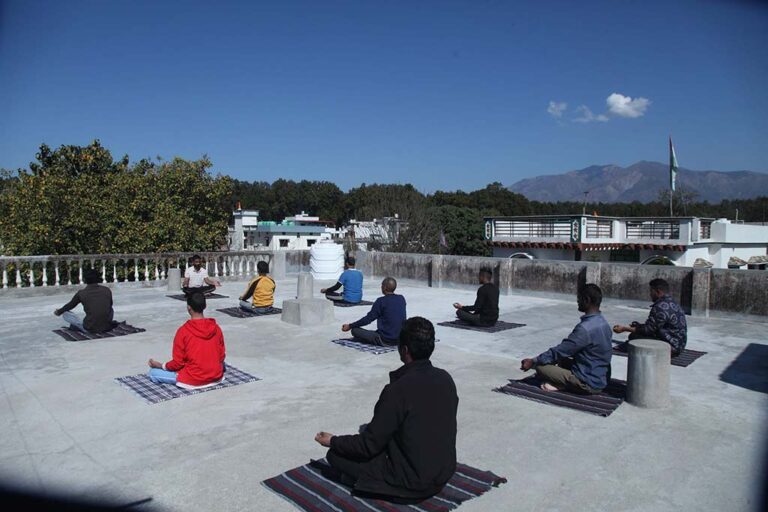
(685, 358)
(500, 325)
(315, 487)
(121, 329)
(243, 313)
(602, 404)
(342, 304)
(364, 347)
(181, 296)
(155, 393)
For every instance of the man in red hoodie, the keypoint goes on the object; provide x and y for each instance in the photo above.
(198, 352)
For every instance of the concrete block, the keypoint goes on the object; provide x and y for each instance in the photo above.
(648, 373)
(306, 285)
(700, 292)
(174, 279)
(279, 267)
(307, 312)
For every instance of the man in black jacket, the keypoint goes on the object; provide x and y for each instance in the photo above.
(97, 303)
(407, 453)
(485, 311)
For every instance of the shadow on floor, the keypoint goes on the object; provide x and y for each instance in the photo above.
(750, 369)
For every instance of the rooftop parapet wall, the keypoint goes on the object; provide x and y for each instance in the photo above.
(697, 290)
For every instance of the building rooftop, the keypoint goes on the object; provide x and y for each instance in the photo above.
(69, 427)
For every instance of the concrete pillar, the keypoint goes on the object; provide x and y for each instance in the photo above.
(278, 269)
(174, 279)
(700, 292)
(305, 286)
(648, 373)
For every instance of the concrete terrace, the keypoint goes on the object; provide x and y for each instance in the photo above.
(69, 427)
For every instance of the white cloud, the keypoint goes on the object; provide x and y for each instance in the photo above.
(624, 106)
(586, 116)
(556, 109)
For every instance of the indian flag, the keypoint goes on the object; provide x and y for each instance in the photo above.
(672, 166)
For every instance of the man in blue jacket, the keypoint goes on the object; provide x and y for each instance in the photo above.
(582, 362)
(352, 281)
(389, 313)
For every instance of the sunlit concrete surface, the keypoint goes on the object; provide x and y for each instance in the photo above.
(67, 426)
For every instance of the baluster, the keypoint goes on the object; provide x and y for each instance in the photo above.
(56, 271)
(164, 270)
(216, 267)
(31, 274)
(157, 270)
(114, 270)
(80, 271)
(103, 270)
(69, 272)
(136, 269)
(5, 277)
(45, 273)
(18, 275)
(239, 266)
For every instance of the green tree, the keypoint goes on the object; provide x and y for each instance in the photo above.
(461, 227)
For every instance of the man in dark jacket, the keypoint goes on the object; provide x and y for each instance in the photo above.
(666, 322)
(389, 313)
(407, 453)
(97, 303)
(485, 311)
(582, 362)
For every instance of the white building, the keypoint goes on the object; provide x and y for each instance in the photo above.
(677, 240)
(293, 233)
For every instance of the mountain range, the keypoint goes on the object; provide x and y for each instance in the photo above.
(641, 182)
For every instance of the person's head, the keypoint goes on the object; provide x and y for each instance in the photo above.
(350, 262)
(91, 276)
(262, 267)
(196, 304)
(659, 288)
(197, 261)
(485, 275)
(417, 339)
(589, 298)
(388, 285)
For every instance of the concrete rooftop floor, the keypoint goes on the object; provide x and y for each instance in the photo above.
(67, 426)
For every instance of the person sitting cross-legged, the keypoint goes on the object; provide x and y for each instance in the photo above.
(261, 291)
(485, 311)
(666, 321)
(407, 453)
(97, 303)
(352, 281)
(389, 313)
(196, 279)
(198, 352)
(582, 362)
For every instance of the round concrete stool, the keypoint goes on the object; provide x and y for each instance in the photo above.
(648, 373)
(174, 279)
(305, 286)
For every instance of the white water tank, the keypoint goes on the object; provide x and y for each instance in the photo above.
(326, 260)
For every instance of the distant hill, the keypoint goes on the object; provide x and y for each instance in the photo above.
(641, 182)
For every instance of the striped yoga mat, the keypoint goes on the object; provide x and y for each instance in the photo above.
(242, 313)
(364, 347)
(497, 327)
(155, 393)
(685, 358)
(602, 404)
(121, 329)
(314, 488)
(181, 296)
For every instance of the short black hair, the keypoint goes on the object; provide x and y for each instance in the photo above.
(351, 261)
(418, 334)
(487, 272)
(195, 257)
(91, 276)
(262, 267)
(660, 285)
(389, 284)
(591, 294)
(197, 302)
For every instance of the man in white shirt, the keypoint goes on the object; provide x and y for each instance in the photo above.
(196, 279)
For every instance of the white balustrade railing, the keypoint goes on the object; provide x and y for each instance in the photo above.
(62, 270)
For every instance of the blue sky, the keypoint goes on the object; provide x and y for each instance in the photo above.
(444, 95)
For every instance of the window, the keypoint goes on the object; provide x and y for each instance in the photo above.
(283, 242)
(705, 230)
(625, 255)
(311, 242)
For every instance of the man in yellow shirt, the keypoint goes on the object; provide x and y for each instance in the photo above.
(261, 291)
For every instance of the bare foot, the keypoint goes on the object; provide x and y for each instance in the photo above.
(549, 387)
